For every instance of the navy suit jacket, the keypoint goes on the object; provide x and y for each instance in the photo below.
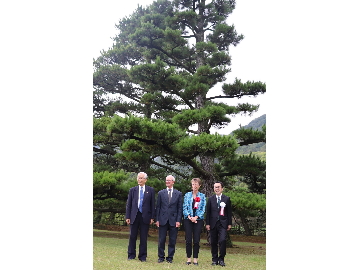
(212, 212)
(148, 206)
(169, 211)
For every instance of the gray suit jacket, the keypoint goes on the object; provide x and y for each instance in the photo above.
(169, 211)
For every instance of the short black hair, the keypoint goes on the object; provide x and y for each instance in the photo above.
(218, 182)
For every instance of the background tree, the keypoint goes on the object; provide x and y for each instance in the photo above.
(247, 205)
(152, 104)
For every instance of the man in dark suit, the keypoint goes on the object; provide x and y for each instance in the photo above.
(218, 221)
(140, 213)
(168, 217)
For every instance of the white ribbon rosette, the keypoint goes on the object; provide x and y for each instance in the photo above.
(222, 205)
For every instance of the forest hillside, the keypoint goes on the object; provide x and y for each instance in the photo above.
(255, 124)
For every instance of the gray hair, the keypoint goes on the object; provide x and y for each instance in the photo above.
(145, 175)
(173, 178)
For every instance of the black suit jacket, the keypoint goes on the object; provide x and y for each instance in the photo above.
(169, 211)
(148, 206)
(213, 212)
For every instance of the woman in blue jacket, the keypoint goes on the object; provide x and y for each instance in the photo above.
(193, 211)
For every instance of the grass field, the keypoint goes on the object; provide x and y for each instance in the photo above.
(110, 252)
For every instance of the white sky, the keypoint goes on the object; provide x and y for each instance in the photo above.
(247, 57)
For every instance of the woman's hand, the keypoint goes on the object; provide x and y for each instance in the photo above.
(194, 219)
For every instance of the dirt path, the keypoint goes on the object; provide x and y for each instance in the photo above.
(122, 232)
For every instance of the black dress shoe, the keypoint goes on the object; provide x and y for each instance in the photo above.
(142, 260)
(129, 259)
(160, 260)
(187, 263)
(214, 263)
(169, 261)
(196, 263)
(222, 263)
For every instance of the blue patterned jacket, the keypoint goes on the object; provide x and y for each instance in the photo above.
(188, 202)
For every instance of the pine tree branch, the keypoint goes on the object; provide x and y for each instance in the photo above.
(251, 141)
(232, 96)
(168, 168)
(104, 151)
(174, 58)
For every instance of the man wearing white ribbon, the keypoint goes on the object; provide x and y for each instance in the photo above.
(218, 221)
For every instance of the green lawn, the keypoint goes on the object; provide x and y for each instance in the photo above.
(110, 252)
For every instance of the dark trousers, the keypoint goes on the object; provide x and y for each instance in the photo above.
(144, 230)
(173, 231)
(218, 242)
(192, 232)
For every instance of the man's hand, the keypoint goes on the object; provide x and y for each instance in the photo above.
(229, 227)
(208, 227)
(151, 221)
(128, 221)
(177, 225)
(157, 223)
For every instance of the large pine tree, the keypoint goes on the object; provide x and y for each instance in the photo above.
(151, 91)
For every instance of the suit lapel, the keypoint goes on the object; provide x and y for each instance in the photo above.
(145, 194)
(136, 195)
(224, 200)
(214, 201)
(173, 197)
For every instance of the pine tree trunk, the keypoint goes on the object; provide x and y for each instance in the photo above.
(245, 224)
(208, 182)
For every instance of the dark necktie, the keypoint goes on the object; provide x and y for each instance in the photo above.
(169, 194)
(218, 201)
(141, 199)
